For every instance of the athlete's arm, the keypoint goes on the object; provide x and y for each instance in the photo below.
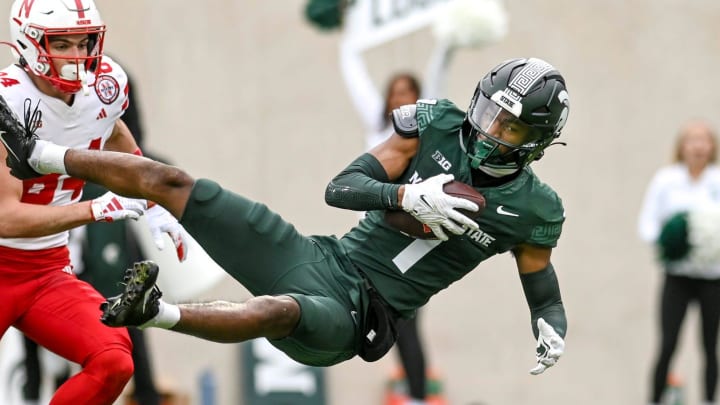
(21, 220)
(395, 153)
(366, 183)
(541, 286)
(121, 139)
(542, 293)
(159, 220)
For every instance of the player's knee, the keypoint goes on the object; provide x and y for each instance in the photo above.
(279, 315)
(114, 367)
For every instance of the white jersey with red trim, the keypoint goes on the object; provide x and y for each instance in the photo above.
(86, 124)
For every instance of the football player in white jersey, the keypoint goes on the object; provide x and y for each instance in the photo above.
(63, 86)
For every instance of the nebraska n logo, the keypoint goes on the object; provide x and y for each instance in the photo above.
(26, 5)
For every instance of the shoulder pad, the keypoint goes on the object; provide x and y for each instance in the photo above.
(405, 121)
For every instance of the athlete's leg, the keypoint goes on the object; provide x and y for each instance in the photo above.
(18, 282)
(412, 357)
(65, 319)
(676, 295)
(228, 322)
(132, 176)
(257, 248)
(709, 297)
(323, 335)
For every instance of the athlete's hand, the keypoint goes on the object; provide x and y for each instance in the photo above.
(161, 221)
(111, 207)
(550, 346)
(427, 202)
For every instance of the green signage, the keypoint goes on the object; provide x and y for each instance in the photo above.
(272, 378)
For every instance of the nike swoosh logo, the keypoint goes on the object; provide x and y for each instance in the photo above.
(500, 210)
(422, 198)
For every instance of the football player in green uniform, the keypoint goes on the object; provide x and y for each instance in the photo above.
(320, 299)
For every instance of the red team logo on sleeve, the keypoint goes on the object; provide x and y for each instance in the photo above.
(107, 89)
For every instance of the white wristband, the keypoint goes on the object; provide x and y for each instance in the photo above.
(48, 158)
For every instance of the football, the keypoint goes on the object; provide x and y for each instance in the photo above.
(406, 223)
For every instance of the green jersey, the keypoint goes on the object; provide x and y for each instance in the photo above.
(408, 271)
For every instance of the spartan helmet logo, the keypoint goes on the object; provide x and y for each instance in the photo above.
(565, 100)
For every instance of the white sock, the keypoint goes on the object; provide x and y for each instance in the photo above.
(167, 317)
(48, 158)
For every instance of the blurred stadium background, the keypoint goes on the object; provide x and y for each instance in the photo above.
(248, 93)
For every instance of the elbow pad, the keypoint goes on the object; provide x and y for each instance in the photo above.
(542, 293)
(405, 121)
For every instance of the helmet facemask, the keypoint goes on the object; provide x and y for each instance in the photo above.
(499, 143)
(70, 77)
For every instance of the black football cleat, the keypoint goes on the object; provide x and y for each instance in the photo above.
(18, 139)
(140, 301)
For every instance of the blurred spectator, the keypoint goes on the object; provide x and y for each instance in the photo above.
(679, 205)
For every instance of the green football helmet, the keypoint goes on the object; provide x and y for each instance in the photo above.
(519, 108)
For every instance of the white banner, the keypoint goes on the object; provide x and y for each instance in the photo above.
(369, 23)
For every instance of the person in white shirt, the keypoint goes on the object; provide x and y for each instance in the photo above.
(691, 182)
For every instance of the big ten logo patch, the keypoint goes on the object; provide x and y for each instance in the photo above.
(441, 160)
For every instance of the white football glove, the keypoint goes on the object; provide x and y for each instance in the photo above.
(550, 346)
(427, 202)
(161, 221)
(111, 207)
